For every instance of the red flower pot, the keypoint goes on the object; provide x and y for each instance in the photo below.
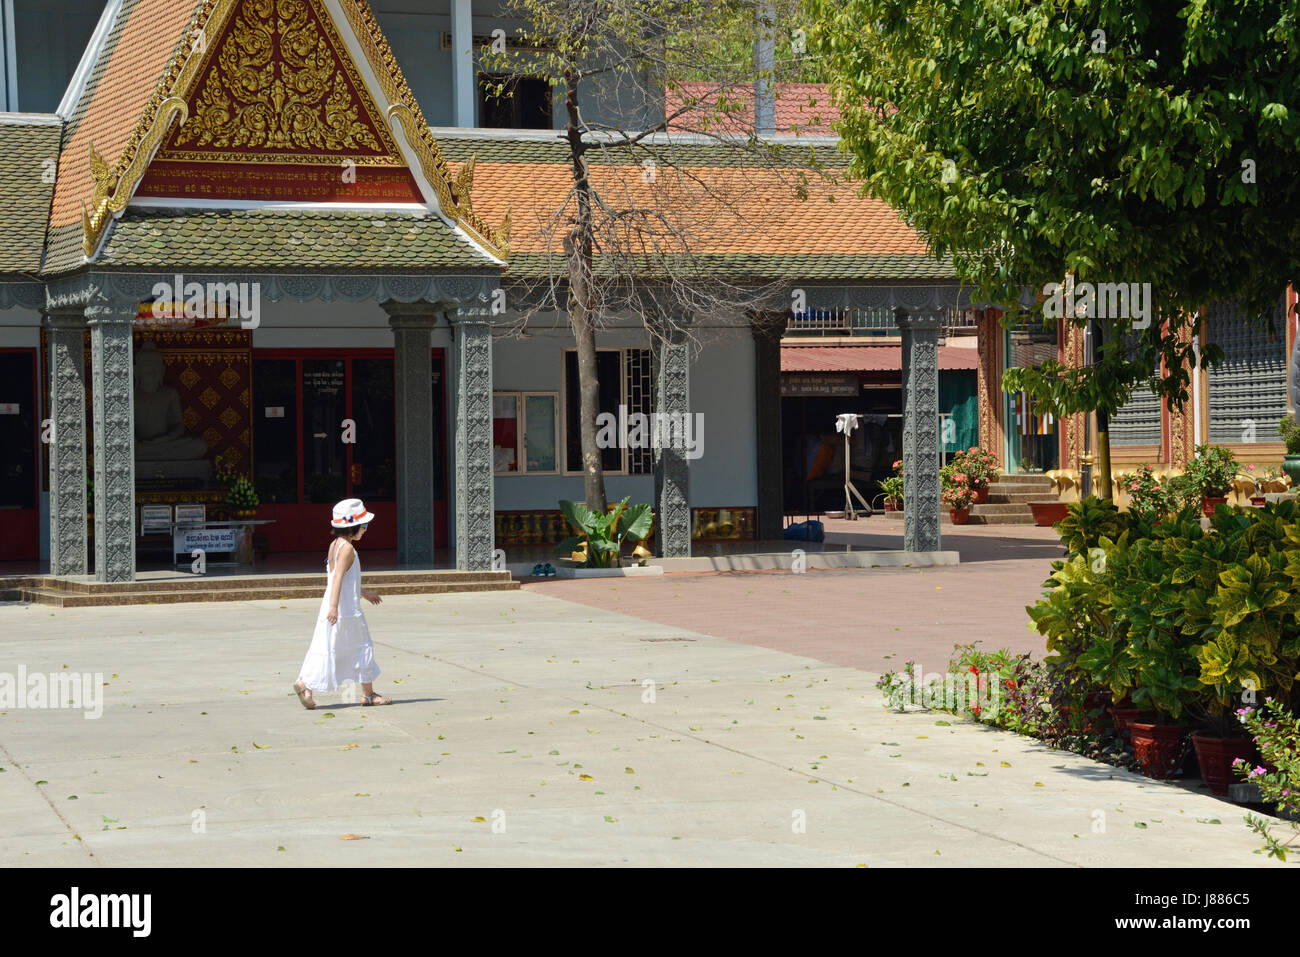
(1158, 748)
(959, 516)
(981, 494)
(1047, 514)
(1123, 717)
(891, 505)
(1258, 500)
(1208, 503)
(1215, 756)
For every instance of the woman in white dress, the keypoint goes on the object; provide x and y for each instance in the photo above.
(341, 650)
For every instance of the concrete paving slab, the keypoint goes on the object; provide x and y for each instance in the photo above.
(525, 733)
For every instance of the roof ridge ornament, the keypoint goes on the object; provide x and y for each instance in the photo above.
(113, 190)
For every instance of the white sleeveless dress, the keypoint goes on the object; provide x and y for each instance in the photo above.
(342, 652)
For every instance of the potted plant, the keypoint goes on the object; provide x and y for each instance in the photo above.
(980, 467)
(891, 489)
(1290, 433)
(601, 537)
(1212, 471)
(957, 495)
(242, 498)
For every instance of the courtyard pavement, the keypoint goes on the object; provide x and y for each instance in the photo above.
(527, 732)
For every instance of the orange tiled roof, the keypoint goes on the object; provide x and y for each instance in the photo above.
(724, 209)
(887, 357)
(141, 50)
(802, 108)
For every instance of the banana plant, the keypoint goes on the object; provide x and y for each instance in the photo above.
(604, 535)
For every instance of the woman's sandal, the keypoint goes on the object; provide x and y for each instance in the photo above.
(373, 699)
(304, 695)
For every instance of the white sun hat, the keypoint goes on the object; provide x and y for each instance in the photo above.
(350, 513)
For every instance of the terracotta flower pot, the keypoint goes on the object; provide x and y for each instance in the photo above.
(1047, 514)
(981, 494)
(959, 516)
(891, 505)
(1158, 748)
(1215, 756)
(1209, 502)
(1123, 717)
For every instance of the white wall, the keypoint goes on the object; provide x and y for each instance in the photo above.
(722, 389)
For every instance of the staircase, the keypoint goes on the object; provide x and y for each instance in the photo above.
(65, 593)
(1008, 500)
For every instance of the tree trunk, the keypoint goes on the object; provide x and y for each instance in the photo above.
(578, 248)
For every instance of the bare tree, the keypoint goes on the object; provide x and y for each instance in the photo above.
(663, 160)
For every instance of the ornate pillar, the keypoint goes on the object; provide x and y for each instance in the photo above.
(66, 355)
(1182, 443)
(989, 386)
(412, 325)
(112, 390)
(475, 530)
(921, 484)
(767, 330)
(1073, 355)
(672, 470)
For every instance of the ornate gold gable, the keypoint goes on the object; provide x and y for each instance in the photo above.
(270, 106)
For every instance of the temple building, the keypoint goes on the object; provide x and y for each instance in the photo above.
(295, 243)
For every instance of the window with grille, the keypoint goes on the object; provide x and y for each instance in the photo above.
(1138, 422)
(1247, 391)
(627, 380)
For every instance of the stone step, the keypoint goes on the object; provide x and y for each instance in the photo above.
(240, 583)
(1029, 481)
(994, 508)
(1021, 497)
(64, 599)
(1002, 519)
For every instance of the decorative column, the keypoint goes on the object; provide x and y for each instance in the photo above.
(1073, 354)
(989, 386)
(66, 355)
(921, 484)
(1179, 422)
(672, 469)
(767, 329)
(112, 390)
(412, 325)
(475, 530)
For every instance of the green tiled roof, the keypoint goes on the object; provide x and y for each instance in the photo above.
(273, 240)
(29, 150)
(554, 150)
(799, 267)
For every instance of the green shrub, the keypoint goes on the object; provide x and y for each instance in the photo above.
(1180, 619)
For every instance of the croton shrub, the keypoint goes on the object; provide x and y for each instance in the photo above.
(1181, 620)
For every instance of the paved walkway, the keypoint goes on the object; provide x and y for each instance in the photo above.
(870, 619)
(525, 736)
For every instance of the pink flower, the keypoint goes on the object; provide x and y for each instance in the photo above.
(1237, 761)
(1258, 771)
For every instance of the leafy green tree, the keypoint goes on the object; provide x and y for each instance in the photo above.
(1128, 141)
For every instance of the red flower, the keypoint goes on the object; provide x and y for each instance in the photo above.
(974, 670)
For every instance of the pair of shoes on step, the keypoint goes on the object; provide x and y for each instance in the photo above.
(541, 570)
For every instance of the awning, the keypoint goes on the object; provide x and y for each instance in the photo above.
(879, 358)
